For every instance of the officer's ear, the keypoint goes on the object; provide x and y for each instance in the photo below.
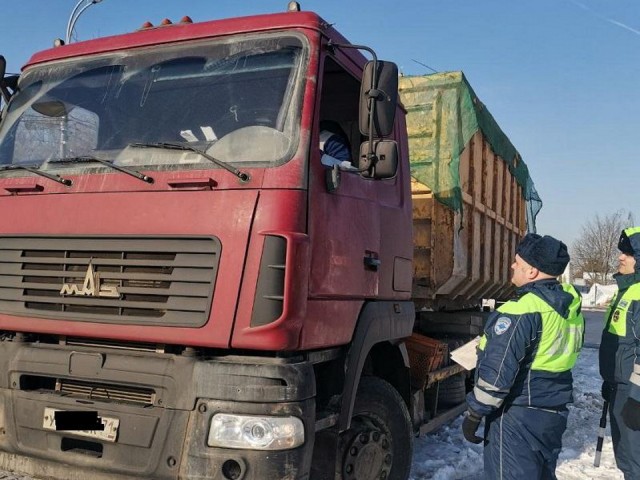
(532, 273)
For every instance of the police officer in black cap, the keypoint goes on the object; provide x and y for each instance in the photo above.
(620, 357)
(523, 378)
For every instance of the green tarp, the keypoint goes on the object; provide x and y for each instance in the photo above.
(443, 113)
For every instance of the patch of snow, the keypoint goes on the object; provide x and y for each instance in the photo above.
(445, 455)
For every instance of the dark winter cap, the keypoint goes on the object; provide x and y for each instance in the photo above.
(544, 253)
(629, 243)
(625, 245)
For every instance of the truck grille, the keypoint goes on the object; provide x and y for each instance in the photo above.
(133, 280)
(113, 393)
(88, 390)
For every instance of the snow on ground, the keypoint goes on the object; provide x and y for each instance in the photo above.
(445, 455)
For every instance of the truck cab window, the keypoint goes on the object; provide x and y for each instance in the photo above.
(200, 93)
(339, 103)
(55, 131)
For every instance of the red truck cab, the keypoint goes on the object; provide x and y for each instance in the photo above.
(175, 258)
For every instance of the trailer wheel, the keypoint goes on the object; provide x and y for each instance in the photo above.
(453, 390)
(379, 444)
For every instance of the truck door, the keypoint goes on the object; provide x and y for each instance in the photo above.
(344, 224)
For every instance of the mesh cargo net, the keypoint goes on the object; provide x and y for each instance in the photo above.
(443, 113)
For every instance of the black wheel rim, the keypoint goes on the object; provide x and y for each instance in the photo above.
(367, 450)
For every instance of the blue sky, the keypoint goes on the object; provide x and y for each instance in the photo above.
(561, 77)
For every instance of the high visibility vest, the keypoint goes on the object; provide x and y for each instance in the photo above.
(561, 338)
(617, 312)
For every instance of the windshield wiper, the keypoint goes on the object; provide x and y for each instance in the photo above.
(37, 171)
(90, 158)
(244, 177)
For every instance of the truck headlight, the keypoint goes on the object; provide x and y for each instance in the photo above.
(255, 432)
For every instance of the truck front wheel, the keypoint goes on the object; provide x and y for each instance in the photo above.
(379, 444)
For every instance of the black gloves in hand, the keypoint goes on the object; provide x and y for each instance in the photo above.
(631, 414)
(470, 426)
(607, 390)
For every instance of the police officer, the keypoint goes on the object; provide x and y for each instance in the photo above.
(620, 357)
(523, 378)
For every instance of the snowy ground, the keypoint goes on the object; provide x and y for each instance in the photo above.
(445, 455)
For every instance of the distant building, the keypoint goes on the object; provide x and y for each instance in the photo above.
(566, 276)
(580, 282)
(576, 277)
(592, 277)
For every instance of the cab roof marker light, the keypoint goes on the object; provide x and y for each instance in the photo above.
(165, 22)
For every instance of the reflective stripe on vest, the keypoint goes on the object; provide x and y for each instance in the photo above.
(635, 375)
(561, 338)
(618, 323)
(483, 342)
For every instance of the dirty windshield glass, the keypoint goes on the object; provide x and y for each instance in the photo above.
(237, 100)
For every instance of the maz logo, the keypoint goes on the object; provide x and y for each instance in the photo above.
(91, 286)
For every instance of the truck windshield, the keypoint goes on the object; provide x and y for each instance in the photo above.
(236, 99)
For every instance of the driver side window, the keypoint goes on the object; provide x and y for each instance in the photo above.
(339, 108)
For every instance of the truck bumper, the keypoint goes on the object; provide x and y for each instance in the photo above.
(164, 439)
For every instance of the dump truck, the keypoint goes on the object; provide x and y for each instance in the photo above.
(187, 292)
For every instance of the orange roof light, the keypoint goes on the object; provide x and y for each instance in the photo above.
(184, 20)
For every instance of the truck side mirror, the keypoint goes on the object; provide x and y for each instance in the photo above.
(3, 90)
(383, 163)
(7, 83)
(379, 92)
(52, 108)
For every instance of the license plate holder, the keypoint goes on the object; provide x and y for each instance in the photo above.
(109, 434)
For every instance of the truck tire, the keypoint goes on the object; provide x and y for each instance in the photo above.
(379, 443)
(453, 390)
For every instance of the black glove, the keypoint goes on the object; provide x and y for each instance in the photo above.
(607, 390)
(631, 414)
(470, 426)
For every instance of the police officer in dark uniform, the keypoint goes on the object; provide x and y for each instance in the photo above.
(620, 357)
(523, 378)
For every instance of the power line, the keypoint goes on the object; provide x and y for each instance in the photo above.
(425, 65)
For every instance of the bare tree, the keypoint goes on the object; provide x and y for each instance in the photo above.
(595, 252)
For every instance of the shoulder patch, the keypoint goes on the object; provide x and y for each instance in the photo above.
(502, 325)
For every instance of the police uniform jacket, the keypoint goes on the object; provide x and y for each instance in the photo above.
(528, 349)
(620, 343)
